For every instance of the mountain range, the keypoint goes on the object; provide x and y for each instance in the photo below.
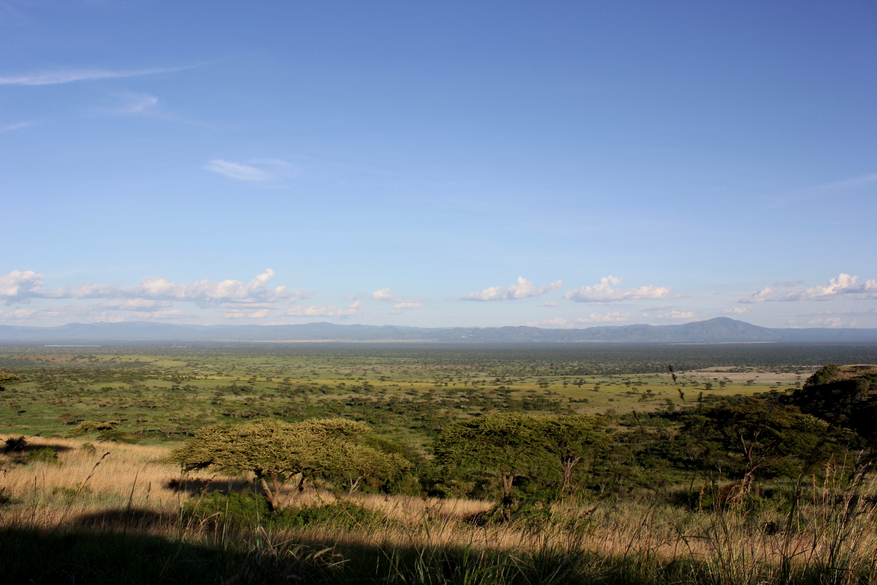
(719, 330)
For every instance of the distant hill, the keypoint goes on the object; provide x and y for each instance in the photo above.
(720, 330)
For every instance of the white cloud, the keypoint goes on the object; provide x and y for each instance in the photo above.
(139, 305)
(71, 75)
(592, 318)
(675, 315)
(383, 295)
(257, 169)
(842, 286)
(833, 322)
(162, 314)
(607, 318)
(242, 314)
(549, 304)
(138, 104)
(20, 287)
(556, 322)
(17, 315)
(737, 310)
(399, 303)
(326, 311)
(17, 126)
(237, 170)
(604, 293)
(523, 290)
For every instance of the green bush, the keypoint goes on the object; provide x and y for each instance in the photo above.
(71, 492)
(45, 455)
(248, 510)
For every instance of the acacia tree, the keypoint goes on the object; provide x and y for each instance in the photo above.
(277, 452)
(510, 446)
(571, 440)
(504, 446)
(756, 436)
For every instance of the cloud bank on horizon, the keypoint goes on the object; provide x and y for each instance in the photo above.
(386, 176)
(159, 298)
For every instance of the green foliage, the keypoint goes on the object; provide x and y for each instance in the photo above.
(845, 396)
(90, 426)
(756, 436)
(336, 450)
(45, 455)
(537, 457)
(7, 378)
(71, 492)
(506, 446)
(243, 511)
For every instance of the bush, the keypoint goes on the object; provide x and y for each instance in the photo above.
(15, 444)
(248, 510)
(71, 492)
(45, 455)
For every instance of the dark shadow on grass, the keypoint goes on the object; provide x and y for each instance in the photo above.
(25, 448)
(137, 546)
(198, 486)
(135, 518)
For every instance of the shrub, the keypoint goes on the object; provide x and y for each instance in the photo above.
(45, 455)
(248, 510)
(15, 444)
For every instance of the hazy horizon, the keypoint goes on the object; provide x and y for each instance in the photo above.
(559, 165)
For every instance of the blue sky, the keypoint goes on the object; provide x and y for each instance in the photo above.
(559, 164)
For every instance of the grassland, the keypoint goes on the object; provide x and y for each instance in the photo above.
(84, 505)
(167, 393)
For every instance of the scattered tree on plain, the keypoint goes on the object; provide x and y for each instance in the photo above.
(277, 452)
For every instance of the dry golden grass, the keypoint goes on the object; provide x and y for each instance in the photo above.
(114, 476)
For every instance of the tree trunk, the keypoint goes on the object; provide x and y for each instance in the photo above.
(271, 496)
(568, 464)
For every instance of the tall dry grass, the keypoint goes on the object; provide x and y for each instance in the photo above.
(827, 536)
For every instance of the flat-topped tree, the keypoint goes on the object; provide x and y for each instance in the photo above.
(276, 452)
(509, 446)
(504, 446)
(7, 378)
(573, 439)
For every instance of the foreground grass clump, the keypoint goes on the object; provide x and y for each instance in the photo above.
(120, 514)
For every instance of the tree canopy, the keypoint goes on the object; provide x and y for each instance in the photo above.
(513, 446)
(277, 452)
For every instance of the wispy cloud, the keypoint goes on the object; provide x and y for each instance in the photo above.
(73, 75)
(842, 286)
(560, 322)
(236, 170)
(832, 322)
(258, 169)
(605, 293)
(737, 310)
(17, 126)
(834, 188)
(671, 315)
(138, 104)
(89, 313)
(354, 308)
(523, 290)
